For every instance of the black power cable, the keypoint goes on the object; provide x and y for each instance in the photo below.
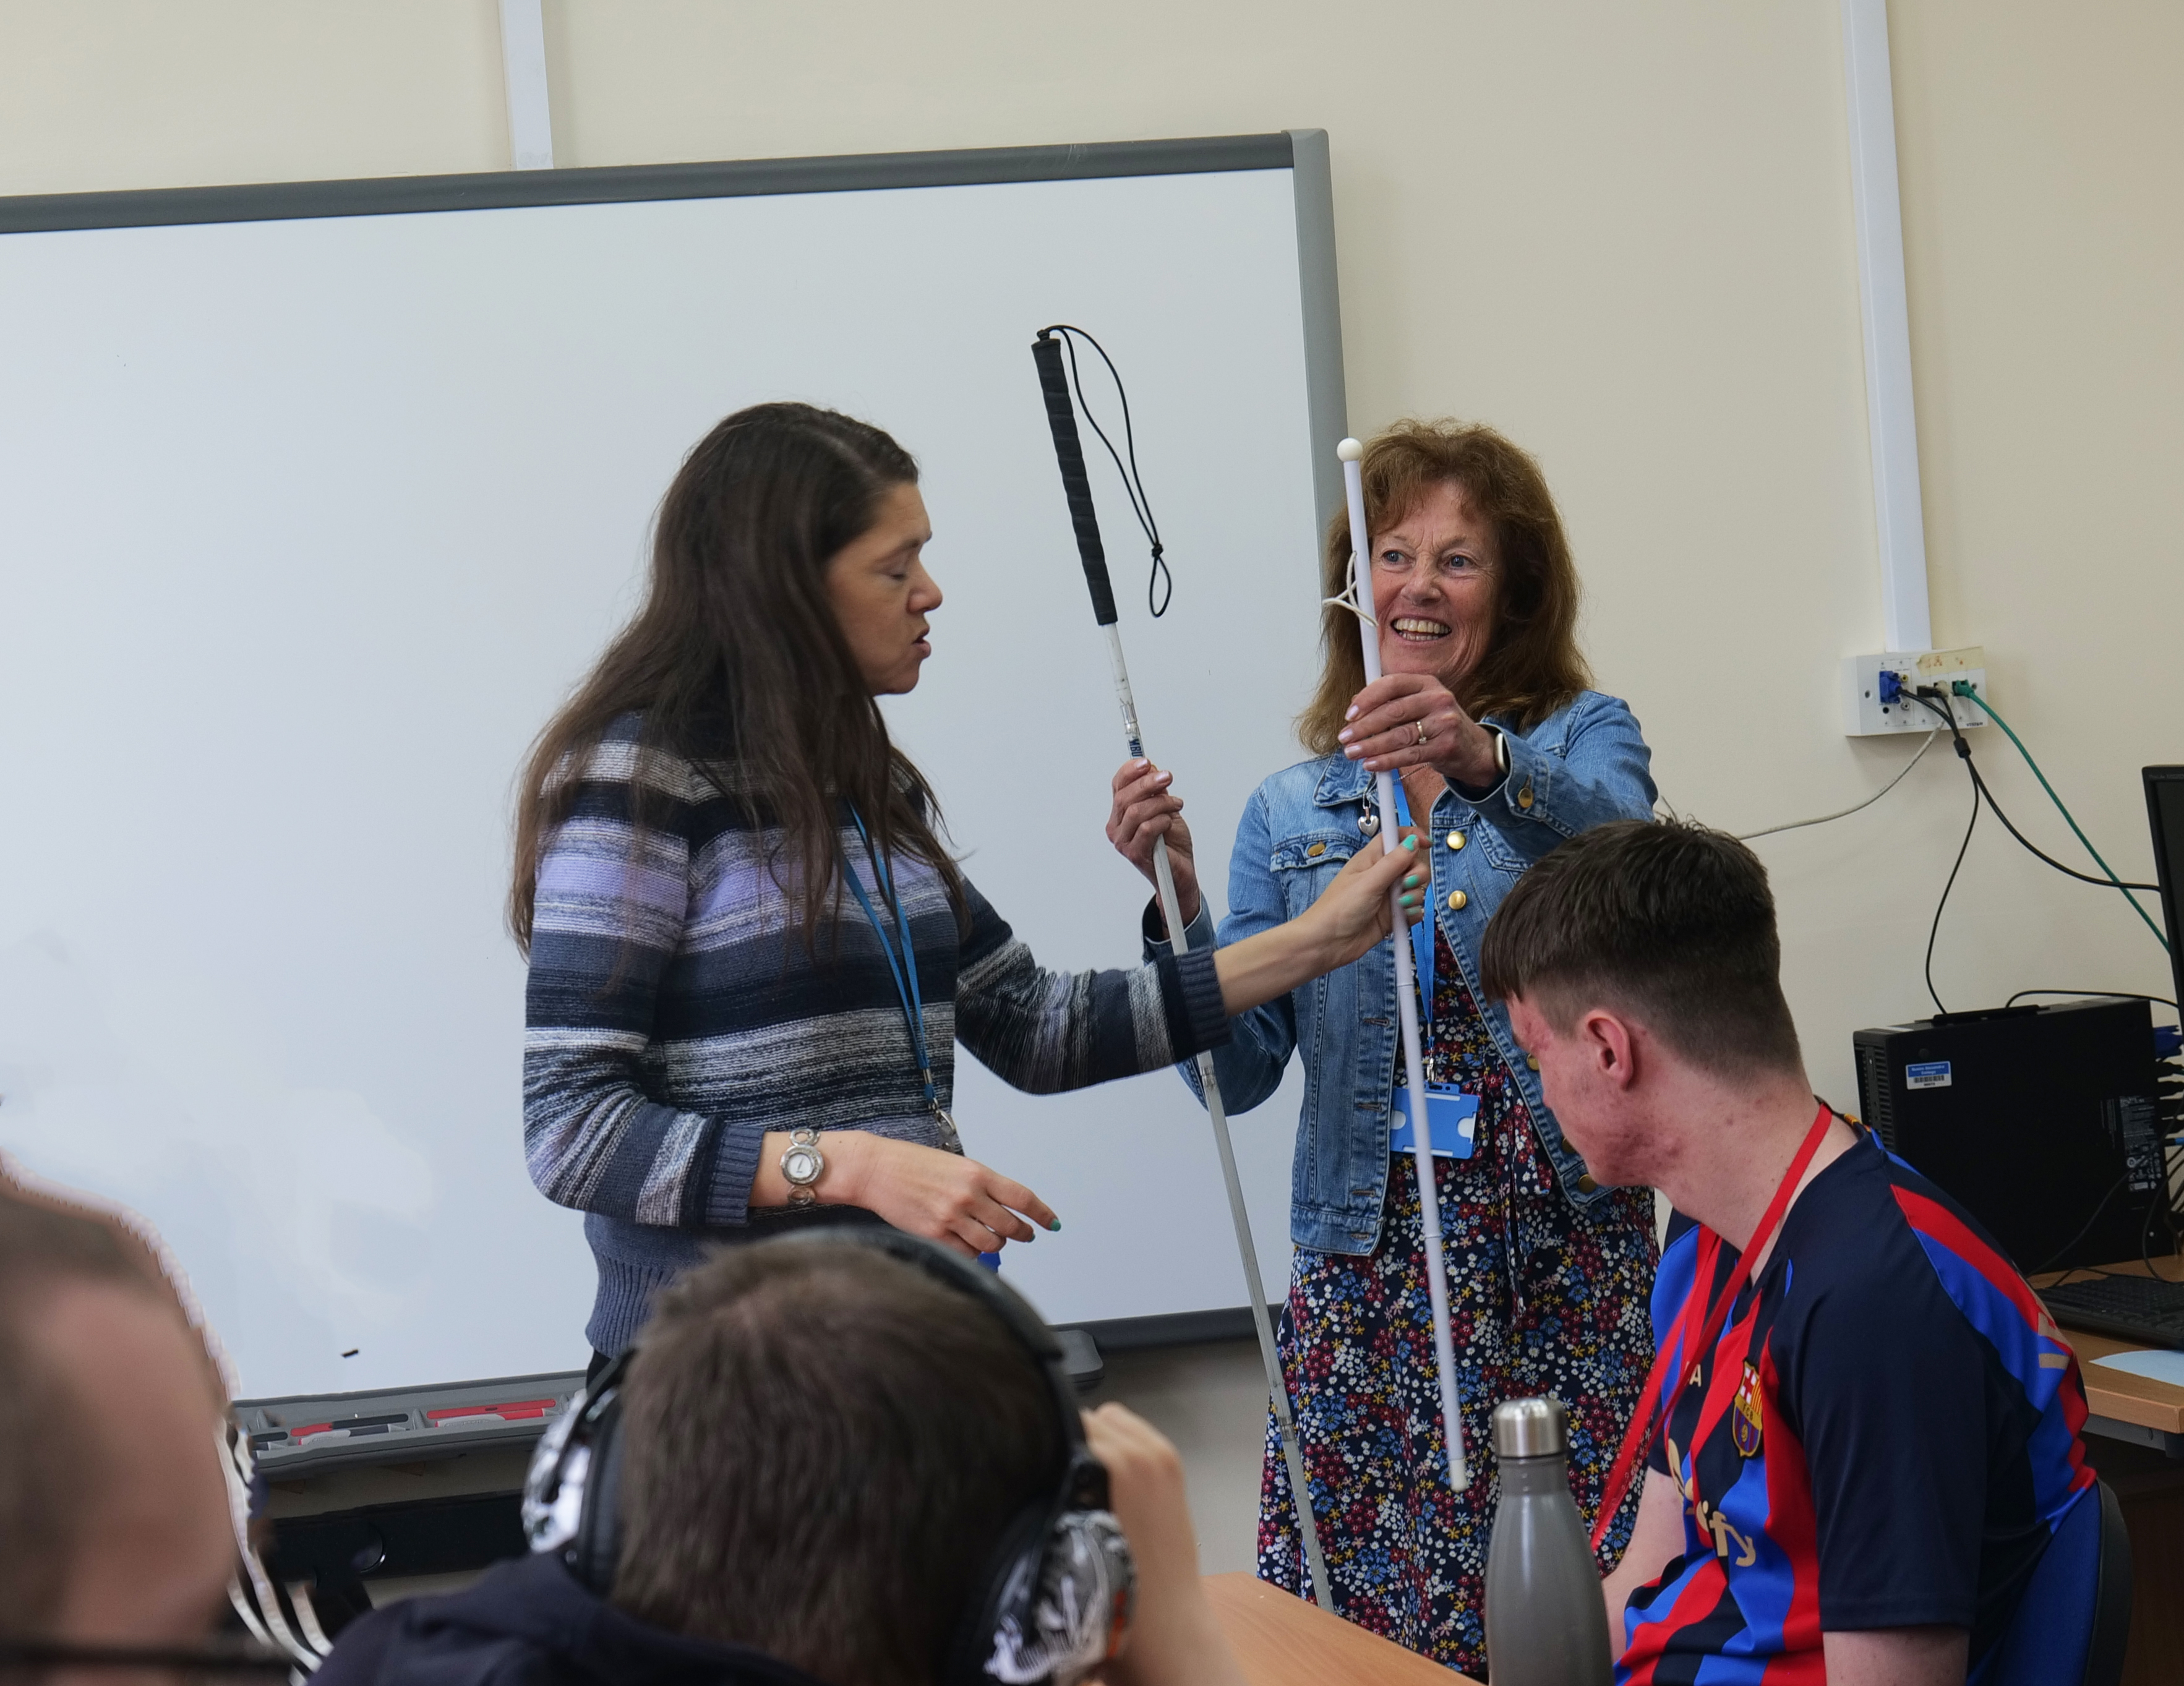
(1935, 930)
(1924, 696)
(2094, 995)
(1936, 703)
(2166, 1206)
(2114, 1188)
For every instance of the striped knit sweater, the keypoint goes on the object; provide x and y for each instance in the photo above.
(671, 1019)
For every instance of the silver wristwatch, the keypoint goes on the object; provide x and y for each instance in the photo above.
(803, 1164)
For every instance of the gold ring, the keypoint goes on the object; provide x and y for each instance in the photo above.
(1423, 735)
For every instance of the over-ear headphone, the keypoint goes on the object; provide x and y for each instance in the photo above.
(1051, 1605)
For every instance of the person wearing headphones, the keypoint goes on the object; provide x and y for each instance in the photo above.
(851, 1457)
(117, 1542)
(751, 955)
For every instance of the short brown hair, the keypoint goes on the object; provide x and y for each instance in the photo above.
(822, 1447)
(1671, 922)
(1532, 666)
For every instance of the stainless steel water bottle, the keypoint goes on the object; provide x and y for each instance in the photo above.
(1546, 1624)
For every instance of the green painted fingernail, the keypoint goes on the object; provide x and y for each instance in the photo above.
(1411, 843)
(1410, 882)
(1056, 1224)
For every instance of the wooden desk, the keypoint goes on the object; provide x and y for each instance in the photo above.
(1283, 1641)
(2135, 1438)
(2125, 1407)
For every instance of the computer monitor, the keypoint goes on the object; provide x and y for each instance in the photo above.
(2165, 813)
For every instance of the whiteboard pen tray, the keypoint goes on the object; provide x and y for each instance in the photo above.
(305, 1434)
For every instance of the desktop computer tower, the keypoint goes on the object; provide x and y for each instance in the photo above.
(2042, 1122)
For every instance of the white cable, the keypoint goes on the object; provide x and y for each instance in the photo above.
(251, 1590)
(307, 1616)
(1347, 598)
(1844, 814)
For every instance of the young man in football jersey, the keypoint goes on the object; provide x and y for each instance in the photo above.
(1860, 1439)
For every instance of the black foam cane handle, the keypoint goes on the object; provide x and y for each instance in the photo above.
(1076, 484)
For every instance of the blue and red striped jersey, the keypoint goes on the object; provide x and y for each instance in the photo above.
(1886, 1435)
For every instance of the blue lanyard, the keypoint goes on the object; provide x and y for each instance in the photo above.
(1421, 933)
(905, 970)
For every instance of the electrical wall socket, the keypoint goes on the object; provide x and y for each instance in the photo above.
(1867, 714)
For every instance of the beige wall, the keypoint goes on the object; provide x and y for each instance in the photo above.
(1621, 233)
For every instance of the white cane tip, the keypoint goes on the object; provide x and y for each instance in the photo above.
(1350, 450)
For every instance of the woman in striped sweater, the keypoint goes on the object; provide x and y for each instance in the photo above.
(750, 954)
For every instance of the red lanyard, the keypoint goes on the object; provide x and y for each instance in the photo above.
(1662, 1383)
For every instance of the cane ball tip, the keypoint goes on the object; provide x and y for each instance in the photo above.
(1350, 450)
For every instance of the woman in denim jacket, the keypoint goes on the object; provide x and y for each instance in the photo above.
(1484, 712)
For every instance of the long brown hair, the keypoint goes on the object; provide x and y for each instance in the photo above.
(737, 663)
(1532, 666)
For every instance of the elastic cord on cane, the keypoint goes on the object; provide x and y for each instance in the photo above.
(1160, 585)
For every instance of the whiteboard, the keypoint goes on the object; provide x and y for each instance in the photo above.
(316, 500)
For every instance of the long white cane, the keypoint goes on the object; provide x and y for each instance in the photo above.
(1076, 484)
(1414, 1069)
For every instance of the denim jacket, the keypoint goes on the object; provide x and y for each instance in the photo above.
(1583, 765)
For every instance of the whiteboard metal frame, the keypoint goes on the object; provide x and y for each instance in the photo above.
(1303, 152)
(747, 178)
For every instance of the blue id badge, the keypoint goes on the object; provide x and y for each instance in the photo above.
(1453, 1116)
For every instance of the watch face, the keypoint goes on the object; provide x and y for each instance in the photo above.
(801, 1164)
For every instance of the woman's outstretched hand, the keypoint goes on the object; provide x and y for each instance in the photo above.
(1386, 720)
(941, 1196)
(1350, 915)
(1144, 808)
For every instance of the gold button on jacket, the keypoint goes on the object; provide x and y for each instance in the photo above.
(1456, 839)
(1524, 797)
(1459, 900)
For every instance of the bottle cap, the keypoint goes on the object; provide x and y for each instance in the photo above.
(1529, 1428)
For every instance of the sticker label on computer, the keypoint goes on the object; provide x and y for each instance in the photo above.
(2134, 1124)
(1927, 1074)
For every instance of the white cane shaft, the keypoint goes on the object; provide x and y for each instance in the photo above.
(1127, 703)
(1452, 1416)
(1277, 1391)
(1255, 1285)
(1361, 567)
(1171, 904)
(1414, 1065)
(1254, 1296)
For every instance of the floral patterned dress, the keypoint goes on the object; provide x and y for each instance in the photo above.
(1544, 1300)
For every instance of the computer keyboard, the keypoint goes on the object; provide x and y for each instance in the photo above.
(2130, 1308)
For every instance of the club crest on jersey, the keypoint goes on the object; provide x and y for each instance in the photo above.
(1748, 1415)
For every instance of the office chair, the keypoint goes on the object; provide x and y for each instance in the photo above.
(2111, 1599)
(2067, 1633)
